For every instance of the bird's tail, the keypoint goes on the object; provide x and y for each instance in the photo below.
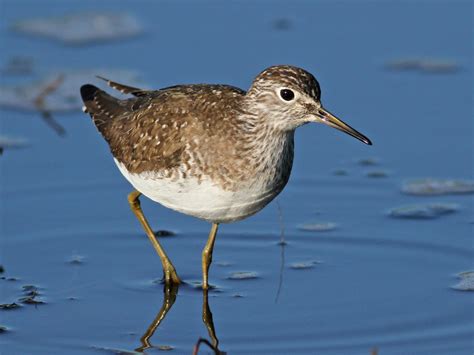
(102, 107)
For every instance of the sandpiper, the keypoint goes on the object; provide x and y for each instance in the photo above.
(215, 152)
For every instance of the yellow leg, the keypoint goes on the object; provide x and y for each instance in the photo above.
(207, 255)
(169, 272)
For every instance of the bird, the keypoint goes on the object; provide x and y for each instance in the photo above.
(211, 151)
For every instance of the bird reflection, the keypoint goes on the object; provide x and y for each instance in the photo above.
(169, 297)
(208, 321)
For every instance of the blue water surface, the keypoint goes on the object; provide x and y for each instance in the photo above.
(381, 283)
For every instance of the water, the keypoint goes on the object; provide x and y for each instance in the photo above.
(374, 281)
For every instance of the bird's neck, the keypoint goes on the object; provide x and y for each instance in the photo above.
(274, 153)
(272, 148)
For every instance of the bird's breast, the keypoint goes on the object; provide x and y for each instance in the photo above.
(219, 198)
(203, 198)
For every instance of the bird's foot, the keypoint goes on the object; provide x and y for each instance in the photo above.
(170, 276)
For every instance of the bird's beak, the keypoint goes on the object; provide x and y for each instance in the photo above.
(328, 118)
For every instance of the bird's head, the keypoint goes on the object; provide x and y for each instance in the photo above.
(288, 97)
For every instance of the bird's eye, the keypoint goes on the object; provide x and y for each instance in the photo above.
(287, 94)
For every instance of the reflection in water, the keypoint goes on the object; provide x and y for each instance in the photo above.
(205, 341)
(208, 321)
(282, 244)
(169, 297)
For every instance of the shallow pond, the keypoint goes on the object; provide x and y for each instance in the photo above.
(349, 279)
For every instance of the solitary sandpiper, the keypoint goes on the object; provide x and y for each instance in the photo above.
(215, 152)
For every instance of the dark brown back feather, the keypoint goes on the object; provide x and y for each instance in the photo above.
(163, 129)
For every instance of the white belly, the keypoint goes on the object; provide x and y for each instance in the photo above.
(203, 199)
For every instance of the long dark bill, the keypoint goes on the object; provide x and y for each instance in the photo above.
(332, 121)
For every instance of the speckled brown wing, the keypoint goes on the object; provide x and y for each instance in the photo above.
(157, 131)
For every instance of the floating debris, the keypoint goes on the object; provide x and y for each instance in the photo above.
(39, 102)
(9, 306)
(436, 66)
(3, 329)
(377, 174)
(424, 211)
(76, 260)
(237, 295)
(18, 66)
(11, 143)
(29, 288)
(224, 263)
(164, 347)
(31, 300)
(164, 233)
(57, 92)
(243, 275)
(430, 187)
(368, 161)
(466, 282)
(302, 265)
(317, 227)
(82, 28)
(65, 96)
(31, 294)
(2, 269)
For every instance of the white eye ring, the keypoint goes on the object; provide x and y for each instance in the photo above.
(287, 95)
